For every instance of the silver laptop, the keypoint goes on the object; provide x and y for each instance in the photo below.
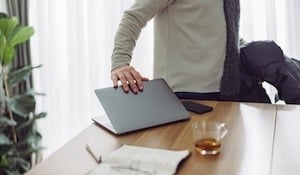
(126, 112)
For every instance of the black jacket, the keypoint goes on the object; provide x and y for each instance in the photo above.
(264, 61)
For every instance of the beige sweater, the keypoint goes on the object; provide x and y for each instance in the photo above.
(189, 41)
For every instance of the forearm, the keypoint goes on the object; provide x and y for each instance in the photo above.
(130, 28)
(125, 40)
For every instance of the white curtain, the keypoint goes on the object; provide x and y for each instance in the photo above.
(74, 40)
(276, 20)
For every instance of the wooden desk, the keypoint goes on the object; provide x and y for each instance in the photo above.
(247, 148)
(286, 153)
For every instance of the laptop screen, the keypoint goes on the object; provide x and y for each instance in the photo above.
(155, 105)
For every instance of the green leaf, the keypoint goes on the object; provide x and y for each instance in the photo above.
(20, 74)
(2, 45)
(20, 35)
(12, 172)
(5, 145)
(8, 55)
(17, 166)
(5, 122)
(22, 105)
(25, 125)
(33, 93)
(40, 115)
(12, 24)
(22, 164)
(30, 122)
(30, 144)
(8, 25)
(3, 161)
(4, 140)
(31, 150)
(3, 15)
(4, 149)
(32, 139)
(4, 23)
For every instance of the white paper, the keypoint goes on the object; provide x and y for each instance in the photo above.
(136, 160)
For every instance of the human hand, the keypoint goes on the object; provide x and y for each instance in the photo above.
(129, 77)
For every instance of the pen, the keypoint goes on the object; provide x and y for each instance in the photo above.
(98, 160)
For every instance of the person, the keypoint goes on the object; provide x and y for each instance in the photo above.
(196, 50)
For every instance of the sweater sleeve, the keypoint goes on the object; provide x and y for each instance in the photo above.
(133, 20)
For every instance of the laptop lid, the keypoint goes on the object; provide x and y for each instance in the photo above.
(155, 105)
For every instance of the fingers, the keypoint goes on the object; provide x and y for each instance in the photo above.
(115, 80)
(124, 83)
(129, 78)
(131, 81)
(139, 80)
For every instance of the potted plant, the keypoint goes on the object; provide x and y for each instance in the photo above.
(19, 138)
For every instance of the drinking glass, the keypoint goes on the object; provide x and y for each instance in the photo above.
(208, 136)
